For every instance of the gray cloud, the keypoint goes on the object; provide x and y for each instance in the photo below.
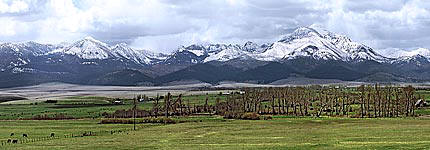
(164, 25)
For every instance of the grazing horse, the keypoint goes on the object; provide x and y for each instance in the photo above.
(24, 135)
(15, 141)
(11, 134)
(52, 134)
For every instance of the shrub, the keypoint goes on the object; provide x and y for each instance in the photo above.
(139, 121)
(250, 116)
(267, 117)
(51, 101)
(105, 114)
(116, 121)
(243, 116)
(232, 115)
(52, 117)
(159, 120)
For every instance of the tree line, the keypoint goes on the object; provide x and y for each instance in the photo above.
(365, 101)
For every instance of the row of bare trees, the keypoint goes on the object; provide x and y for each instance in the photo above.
(363, 101)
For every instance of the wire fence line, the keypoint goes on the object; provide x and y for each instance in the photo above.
(24, 140)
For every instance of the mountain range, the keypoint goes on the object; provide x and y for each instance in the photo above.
(307, 53)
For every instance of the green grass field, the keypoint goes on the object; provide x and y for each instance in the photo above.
(217, 133)
(86, 106)
(205, 132)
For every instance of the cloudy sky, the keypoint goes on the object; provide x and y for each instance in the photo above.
(163, 25)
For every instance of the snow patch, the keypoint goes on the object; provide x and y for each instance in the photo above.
(197, 52)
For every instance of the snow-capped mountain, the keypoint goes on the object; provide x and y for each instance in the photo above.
(318, 44)
(228, 52)
(138, 56)
(418, 59)
(90, 48)
(311, 41)
(27, 48)
(19, 54)
(122, 50)
(205, 53)
(417, 56)
(90, 59)
(397, 53)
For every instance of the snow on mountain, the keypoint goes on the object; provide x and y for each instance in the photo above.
(312, 41)
(122, 50)
(154, 57)
(19, 54)
(229, 52)
(210, 52)
(250, 46)
(27, 48)
(318, 44)
(88, 48)
(303, 41)
(138, 56)
(417, 60)
(421, 51)
(198, 50)
(397, 53)
(418, 56)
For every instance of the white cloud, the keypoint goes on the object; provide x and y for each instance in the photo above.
(166, 24)
(12, 28)
(15, 6)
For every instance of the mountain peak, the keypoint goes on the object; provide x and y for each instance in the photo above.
(299, 33)
(195, 47)
(319, 28)
(305, 31)
(423, 51)
(121, 45)
(250, 46)
(316, 42)
(88, 48)
(93, 40)
(399, 53)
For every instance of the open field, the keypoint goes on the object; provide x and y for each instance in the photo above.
(61, 90)
(279, 133)
(85, 104)
(81, 106)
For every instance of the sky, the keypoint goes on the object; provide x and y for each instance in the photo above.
(164, 25)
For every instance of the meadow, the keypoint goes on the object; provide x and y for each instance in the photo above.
(202, 131)
(218, 133)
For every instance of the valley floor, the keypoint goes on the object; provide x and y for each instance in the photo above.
(217, 133)
(192, 132)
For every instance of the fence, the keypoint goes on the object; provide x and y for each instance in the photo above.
(23, 140)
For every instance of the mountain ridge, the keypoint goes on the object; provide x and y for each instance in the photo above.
(308, 52)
